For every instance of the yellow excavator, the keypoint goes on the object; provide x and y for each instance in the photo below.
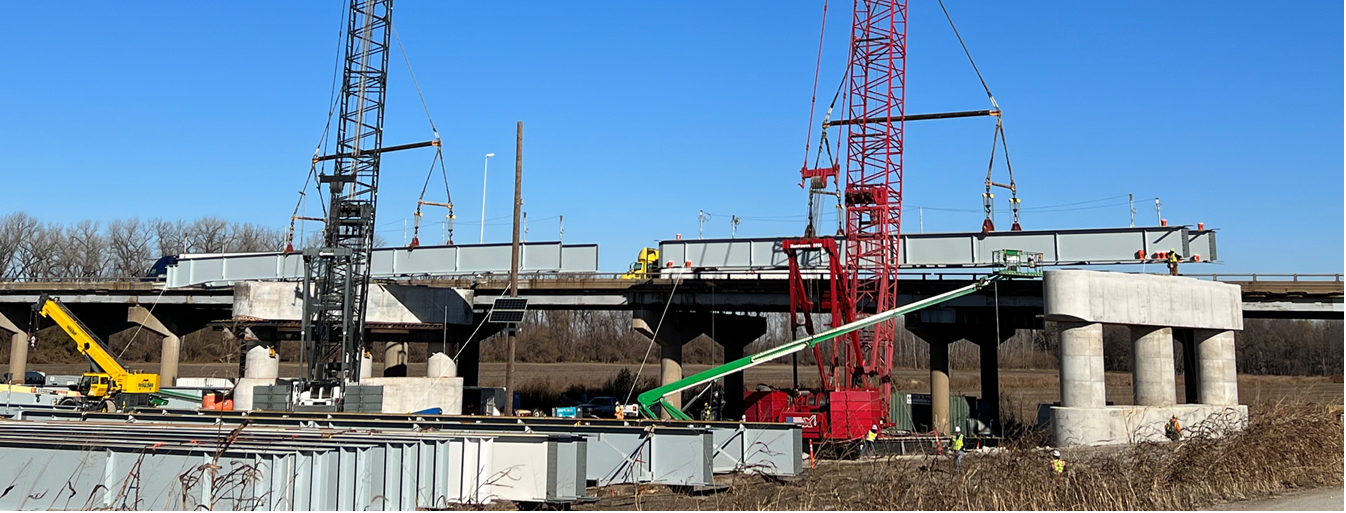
(110, 387)
(645, 266)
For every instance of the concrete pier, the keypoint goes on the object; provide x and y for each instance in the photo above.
(939, 387)
(1157, 309)
(18, 349)
(679, 328)
(261, 368)
(172, 344)
(1218, 375)
(1153, 380)
(395, 359)
(1082, 384)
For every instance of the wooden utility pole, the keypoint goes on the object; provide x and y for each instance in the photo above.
(514, 269)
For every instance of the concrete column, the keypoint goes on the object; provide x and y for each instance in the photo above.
(733, 333)
(261, 367)
(440, 363)
(990, 383)
(366, 365)
(262, 363)
(395, 359)
(18, 350)
(939, 387)
(1216, 367)
(1082, 384)
(168, 358)
(670, 370)
(1152, 377)
(673, 331)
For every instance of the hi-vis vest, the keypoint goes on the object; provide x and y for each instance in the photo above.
(1058, 465)
(957, 442)
(871, 436)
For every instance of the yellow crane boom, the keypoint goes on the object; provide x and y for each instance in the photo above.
(110, 378)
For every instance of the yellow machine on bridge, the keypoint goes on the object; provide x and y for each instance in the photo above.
(110, 387)
(646, 265)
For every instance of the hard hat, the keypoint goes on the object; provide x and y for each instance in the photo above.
(1056, 454)
(957, 429)
(874, 428)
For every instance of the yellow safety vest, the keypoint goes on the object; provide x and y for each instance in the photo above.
(957, 442)
(1058, 466)
(871, 436)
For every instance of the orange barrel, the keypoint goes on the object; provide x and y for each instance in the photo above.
(208, 401)
(228, 404)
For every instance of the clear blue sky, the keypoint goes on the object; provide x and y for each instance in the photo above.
(639, 115)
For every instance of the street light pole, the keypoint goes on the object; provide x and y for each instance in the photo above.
(485, 165)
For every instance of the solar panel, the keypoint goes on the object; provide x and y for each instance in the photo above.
(508, 310)
(510, 303)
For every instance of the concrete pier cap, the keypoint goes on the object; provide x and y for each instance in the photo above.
(1081, 301)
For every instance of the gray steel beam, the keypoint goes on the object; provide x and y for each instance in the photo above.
(969, 249)
(672, 453)
(222, 269)
(84, 465)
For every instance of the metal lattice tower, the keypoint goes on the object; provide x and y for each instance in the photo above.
(338, 273)
(873, 194)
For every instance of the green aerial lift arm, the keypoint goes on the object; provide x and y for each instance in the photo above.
(658, 396)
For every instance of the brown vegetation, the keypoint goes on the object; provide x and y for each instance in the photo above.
(1284, 447)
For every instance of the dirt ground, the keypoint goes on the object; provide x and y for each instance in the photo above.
(1021, 390)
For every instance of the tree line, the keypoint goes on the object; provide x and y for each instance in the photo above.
(31, 249)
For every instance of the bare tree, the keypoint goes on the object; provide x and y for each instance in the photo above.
(129, 243)
(209, 235)
(171, 236)
(14, 229)
(39, 253)
(248, 237)
(83, 252)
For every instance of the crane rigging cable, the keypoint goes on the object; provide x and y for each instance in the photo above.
(997, 139)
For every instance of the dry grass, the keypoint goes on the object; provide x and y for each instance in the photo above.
(1284, 447)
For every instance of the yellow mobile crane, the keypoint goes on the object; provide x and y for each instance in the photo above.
(110, 387)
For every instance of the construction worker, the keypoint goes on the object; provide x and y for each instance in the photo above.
(621, 413)
(956, 445)
(1058, 464)
(707, 411)
(867, 445)
(1173, 430)
(1173, 259)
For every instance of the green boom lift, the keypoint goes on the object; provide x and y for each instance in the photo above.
(1012, 263)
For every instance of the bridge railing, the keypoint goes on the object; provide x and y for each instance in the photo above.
(1264, 277)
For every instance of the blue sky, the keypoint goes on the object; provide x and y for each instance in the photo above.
(639, 115)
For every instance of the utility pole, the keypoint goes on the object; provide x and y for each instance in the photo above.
(561, 228)
(1158, 213)
(514, 268)
(733, 230)
(1131, 200)
(701, 218)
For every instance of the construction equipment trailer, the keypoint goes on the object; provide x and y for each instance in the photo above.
(110, 387)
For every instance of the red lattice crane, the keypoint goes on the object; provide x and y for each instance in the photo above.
(873, 190)
(855, 376)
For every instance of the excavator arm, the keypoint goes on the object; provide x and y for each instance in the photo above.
(658, 396)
